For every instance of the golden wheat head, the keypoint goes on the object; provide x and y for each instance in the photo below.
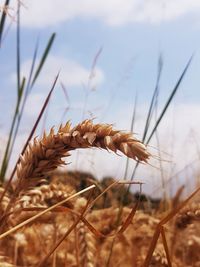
(45, 154)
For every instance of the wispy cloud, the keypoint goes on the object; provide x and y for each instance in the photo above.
(35, 101)
(46, 13)
(72, 73)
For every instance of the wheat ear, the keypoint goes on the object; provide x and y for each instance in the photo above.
(87, 246)
(188, 215)
(86, 240)
(45, 155)
(44, 196)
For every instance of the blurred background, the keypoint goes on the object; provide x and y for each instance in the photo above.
(113, 56)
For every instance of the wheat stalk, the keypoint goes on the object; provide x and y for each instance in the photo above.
(44, 155)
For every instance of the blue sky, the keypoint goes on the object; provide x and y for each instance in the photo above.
(132, 34)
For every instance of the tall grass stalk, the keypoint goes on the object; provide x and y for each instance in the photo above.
(2, 21)
(23, 89)
(160, 117)
(26, 144)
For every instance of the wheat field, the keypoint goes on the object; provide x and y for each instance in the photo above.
(48, 220)
(54, 216)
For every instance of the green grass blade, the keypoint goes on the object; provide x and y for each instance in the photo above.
(4, 164)
(13, 138)
(164, 110)
(44, 56)
(15, 126)
(3, 20)
(155, 93)
(131, 130)
(169, 99)
(26, 91)
(30, 136)
(32, 66)
(19, 97)
(18, 49)
(151, 109)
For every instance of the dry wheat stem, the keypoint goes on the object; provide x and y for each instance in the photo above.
(45, 155)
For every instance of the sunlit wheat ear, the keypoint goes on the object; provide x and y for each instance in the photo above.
(86, 241)
(45, 154)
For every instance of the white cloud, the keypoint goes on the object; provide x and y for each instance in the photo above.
(34, 104)
(45, 13)
(71, 72)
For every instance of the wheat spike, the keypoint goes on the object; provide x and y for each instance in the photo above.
(44, 155)
(86, 240)
(44, 196)
(87, 246)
